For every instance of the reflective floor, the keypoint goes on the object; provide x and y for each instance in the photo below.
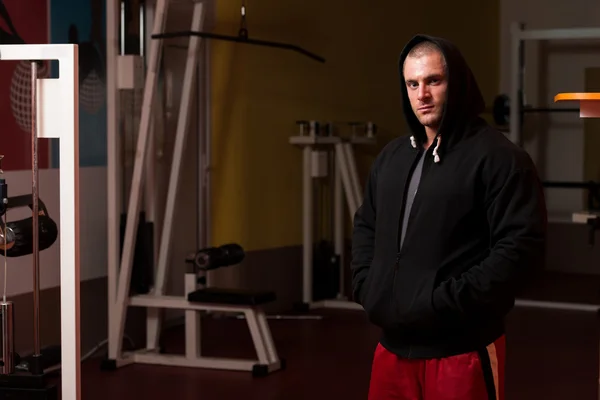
(551, 355)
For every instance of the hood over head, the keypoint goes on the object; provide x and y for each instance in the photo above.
(464, 99)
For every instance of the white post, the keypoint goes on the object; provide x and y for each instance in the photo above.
(158, 124)
(69, 226)
(353, 172)
(60, 119)
(192, 320)
(202, 128)
(209, 22)
(151, 191)
(119, 311)
(113, 181)
(178, 151)
(342, 161)
(338, 221)
(307, 226)
(207, 158)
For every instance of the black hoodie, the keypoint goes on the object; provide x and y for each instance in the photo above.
(476, 229)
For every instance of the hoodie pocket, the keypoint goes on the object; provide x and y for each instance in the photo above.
(413, 298)
(377, 296)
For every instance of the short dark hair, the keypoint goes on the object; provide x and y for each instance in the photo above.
(425, 48)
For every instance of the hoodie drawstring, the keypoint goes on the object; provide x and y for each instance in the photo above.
(436, 156)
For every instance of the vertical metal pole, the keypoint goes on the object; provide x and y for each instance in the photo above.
(307, 224)
(113, 168)
(124, 279)
(338, 222)
(200, 157)
(208, 132)
(8, 336)
(353, 174)
(514, 111)
(34, 185)
(70, 232)
(522, 98)
(346, 180)
(183, 120)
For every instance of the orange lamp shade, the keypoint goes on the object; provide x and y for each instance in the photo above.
(589, 103)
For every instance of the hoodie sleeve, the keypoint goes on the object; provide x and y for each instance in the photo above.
(363, 237)
(517, 218)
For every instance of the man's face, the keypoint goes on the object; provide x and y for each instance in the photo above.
(425, 79)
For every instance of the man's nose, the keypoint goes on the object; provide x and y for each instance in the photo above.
(423, 92)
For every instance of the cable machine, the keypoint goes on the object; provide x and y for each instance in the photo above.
(199, 295)
(588, 108)
(320, 144)
(48, 119)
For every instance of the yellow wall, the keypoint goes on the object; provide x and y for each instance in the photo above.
(259, 93)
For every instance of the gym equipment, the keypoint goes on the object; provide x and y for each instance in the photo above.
(242, 37)
(49, 119)
(131, 48)
(194, 300)
(217, 257)
(587, 109)
(225, 256)
(593, 188)
(501, 110)
(589, 105)
(318, 145)
(23, 230)
(517, 66)
(143, 257)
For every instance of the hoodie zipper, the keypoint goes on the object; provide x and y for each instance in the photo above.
(399, 225)
(403, 210)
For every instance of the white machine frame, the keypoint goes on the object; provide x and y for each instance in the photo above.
(587, 109)
(518, 36)
(60, 119)
(347, 185)
(119, 278)
(517, 66)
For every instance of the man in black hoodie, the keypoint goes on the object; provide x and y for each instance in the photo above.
(452, 224)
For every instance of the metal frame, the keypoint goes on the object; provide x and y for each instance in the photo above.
(346, 185)
(119, 278)
(517, 69)
(114, 166)
(518, 35)
(556, 305)
(593, 112)
(60, 119)
(257, 324)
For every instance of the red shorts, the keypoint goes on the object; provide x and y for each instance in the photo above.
(472, 376)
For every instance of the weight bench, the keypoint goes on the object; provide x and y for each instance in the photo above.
(231, 296)
(245, 302)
